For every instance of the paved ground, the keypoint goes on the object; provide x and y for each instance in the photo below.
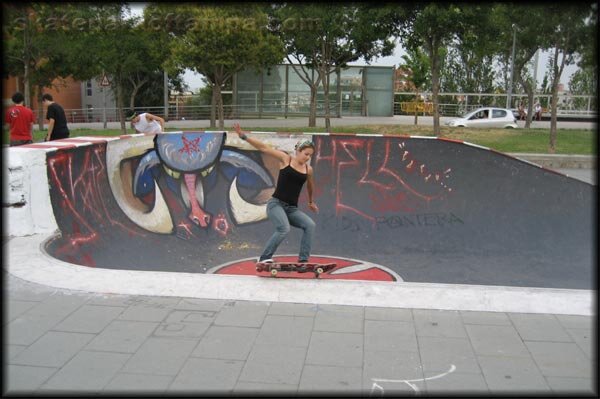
(586, 175)
(59, 342)
(72, 342)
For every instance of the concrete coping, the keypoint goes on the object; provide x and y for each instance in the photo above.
(28, 260)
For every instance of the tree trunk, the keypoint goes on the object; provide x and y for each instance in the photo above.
(554, 106)
(134, 92)
(213, 104)
(219, 103)
(309, 80)
(435, 89)
(529, 116)
(40, 107)
(312, 114)
(120, 103)
(416, 112)
(132, 99)
(556, 72)
(26, 86)
(529, 90)
(326, 94)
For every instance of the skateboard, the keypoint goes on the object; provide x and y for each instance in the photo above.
(275, 267)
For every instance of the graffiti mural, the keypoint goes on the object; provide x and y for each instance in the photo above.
(83, 203)
(386, 170)
(415, 209)
(184, 166)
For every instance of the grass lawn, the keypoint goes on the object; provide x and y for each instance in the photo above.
(569, 141)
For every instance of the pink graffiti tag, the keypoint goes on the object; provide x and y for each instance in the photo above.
(190, 146)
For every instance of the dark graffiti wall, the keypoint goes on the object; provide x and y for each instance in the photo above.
(83, 204)
(425, 210)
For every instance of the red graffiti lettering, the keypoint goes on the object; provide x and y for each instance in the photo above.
(394, 181)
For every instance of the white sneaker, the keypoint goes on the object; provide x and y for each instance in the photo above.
(266, 261)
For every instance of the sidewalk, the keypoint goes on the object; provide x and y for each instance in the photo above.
(60, 341)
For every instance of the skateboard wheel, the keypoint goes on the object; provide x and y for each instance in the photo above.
(273, 272)
(319, 270)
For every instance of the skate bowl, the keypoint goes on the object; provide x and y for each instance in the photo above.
(395, 209)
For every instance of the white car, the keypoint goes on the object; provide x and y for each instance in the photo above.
(486, 117)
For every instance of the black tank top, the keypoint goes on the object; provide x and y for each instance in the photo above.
(289, 184)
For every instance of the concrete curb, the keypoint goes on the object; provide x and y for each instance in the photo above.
(559, 161)
(28, 260)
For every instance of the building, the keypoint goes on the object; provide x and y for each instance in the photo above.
(97, 101)
(280, 90)
(66, 92)
(82, 101)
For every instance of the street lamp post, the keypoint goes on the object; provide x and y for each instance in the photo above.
(512, 66)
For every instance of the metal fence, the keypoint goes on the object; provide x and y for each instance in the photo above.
(426, 109)
(451, 104)
(201, 112)
(458, 104)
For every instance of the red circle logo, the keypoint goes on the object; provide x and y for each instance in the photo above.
(345, 269)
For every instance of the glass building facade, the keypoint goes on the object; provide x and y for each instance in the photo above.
(280, 91)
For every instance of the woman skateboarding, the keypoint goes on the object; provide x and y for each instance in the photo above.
(282, 208)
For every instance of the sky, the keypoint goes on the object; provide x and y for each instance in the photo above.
(194, 80)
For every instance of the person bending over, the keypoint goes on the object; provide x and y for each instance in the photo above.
(146, 123)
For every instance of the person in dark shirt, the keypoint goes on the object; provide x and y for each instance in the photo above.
(282, 208)
(57, 120)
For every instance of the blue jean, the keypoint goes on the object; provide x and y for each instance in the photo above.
(284, 215)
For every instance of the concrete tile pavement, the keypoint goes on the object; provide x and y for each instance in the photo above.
(59, 341)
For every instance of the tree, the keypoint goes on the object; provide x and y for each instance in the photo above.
(152, 51)
(337, 35)
(417, 62)
(48, 42)
(21, 38)
(566, 37)
(146, 88)
(588, 52)
(528, 24)
(33, 48)
(44, 44)
(119, 53)
(151, 93)
(467, 66)
(219, 41)
(434, 28)
(295, 26)
(118, 46)
(583, 81)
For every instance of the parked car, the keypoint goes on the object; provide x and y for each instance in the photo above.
(486, 117)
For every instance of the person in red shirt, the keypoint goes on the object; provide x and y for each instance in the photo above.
(20, 118)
